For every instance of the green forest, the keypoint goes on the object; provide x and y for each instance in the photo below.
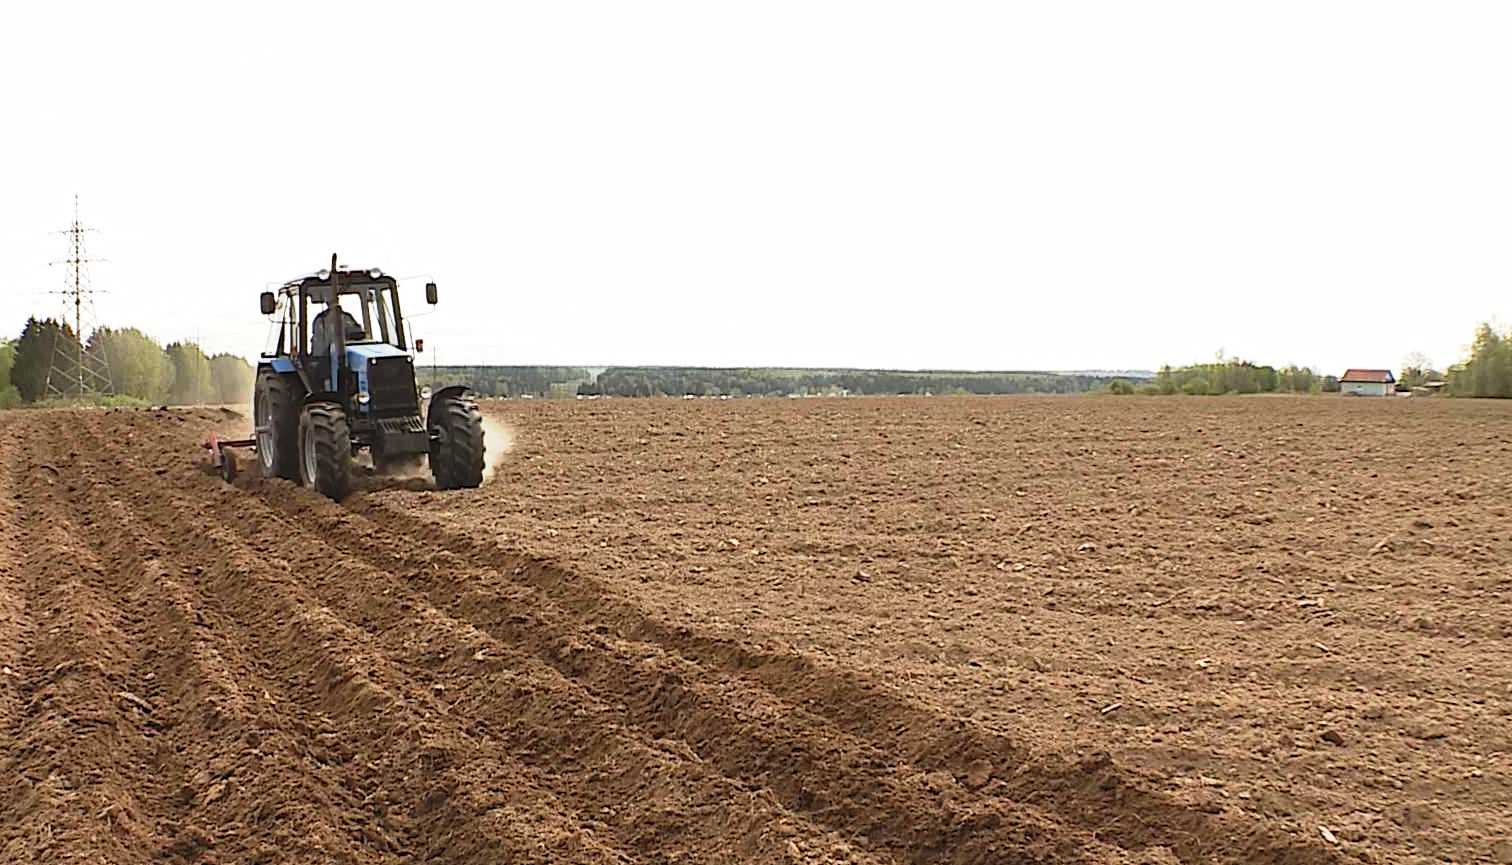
(41, 366)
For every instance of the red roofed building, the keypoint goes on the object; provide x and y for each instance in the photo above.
(1367, 382)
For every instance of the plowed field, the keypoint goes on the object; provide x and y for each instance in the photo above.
(875, 631)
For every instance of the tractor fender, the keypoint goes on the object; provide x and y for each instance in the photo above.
(440, 397)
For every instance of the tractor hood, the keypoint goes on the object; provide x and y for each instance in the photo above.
(359, 353)
(386, 375)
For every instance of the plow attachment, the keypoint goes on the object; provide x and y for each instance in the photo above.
(222, 460)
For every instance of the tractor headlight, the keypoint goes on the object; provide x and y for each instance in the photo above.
(375, 273)
(363, 397)
(425, 393)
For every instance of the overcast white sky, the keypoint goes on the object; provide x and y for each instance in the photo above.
(967, 185)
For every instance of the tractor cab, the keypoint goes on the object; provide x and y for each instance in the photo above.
(365, 302)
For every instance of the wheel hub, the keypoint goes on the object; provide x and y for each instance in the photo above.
(307, 457)
(263, 432)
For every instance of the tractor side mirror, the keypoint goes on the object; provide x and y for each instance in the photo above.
(267, 303)
(430, 293)
(419, 346)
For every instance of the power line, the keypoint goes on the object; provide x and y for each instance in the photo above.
(85, 371)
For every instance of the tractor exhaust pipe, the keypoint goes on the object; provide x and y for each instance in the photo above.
(334, 322)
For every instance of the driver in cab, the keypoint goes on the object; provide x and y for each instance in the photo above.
(320, 338)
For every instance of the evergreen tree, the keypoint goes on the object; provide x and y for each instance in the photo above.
(44, 345)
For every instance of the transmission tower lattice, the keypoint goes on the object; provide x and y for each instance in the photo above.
(77, 369)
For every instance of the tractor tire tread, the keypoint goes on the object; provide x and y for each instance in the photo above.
(283, 409)
(333, 449)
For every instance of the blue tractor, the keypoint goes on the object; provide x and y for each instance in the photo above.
(343, 380)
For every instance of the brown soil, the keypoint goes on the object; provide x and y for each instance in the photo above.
(880, 631)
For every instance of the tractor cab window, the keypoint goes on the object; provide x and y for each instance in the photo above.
(320, 338)
(371, 301)
(369, 311)
(365, 304)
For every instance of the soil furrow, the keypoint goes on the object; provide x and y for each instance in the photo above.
(837, 779)
(227, 777)
(84, 733)
(1093, 792)
(251, 782)
(441, 790)
(821, 772)
(654, 796)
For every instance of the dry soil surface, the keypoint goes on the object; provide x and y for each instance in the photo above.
(1091, 630)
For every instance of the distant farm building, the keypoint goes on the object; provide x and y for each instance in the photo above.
(1367, 382)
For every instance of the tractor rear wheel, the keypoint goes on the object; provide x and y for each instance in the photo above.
(325, 458)
(456, 457)
(275, 415)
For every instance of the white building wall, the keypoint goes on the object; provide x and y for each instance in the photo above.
(1366, 388)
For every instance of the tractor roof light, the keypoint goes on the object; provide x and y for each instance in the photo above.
(375, 273)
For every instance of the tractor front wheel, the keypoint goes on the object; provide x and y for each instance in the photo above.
(325, 450)
(456, 457)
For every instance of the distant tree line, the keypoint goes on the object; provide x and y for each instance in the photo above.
(767, 381)
(181, 373)
(1487, 372)
(568, 381)
(540, 381)
(136, 365)
(1233, 375)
